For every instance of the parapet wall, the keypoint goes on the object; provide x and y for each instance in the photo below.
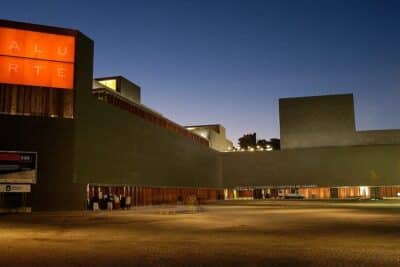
(335, 166)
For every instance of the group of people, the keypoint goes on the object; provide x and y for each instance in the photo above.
(109, 202)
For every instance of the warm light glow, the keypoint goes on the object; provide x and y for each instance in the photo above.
(37, 45)
(36, 58)
(36, 72)
(111, 83)
(364, 191)
(203, 134)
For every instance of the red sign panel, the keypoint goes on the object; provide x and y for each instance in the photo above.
(36, 72)
(36, 58)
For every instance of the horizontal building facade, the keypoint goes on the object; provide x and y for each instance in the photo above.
(93, 142)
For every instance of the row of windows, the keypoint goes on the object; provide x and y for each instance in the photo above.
(152, 196)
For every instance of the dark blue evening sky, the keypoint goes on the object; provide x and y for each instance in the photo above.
(229, 62)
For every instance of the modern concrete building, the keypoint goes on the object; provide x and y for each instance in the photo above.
(326, 121)
(120, 86)
(322, 155)
(96, 142)
(215, 134)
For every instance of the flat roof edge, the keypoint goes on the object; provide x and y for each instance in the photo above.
(40, 27)
(315, 96)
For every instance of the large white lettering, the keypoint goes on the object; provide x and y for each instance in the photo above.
(13, 68)
(36, 49)
(61, 72)
(62, 51)
(14, 46)
(37, 69)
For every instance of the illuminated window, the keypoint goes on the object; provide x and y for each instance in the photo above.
(112, 83)
(364, 191)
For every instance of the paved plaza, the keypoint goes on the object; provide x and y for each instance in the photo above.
(230, 233)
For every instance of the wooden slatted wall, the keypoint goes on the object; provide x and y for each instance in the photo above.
(36, 101)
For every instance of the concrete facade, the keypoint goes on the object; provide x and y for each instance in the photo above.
(102, 144)
(333, 166)
(319, 121)
(378, 137)
(326, 121)
(52, 138)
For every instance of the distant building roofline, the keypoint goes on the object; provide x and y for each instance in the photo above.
(315, 96)
(204, 125)
(116, 77)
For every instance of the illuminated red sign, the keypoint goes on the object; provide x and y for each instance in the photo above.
(36, 58)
